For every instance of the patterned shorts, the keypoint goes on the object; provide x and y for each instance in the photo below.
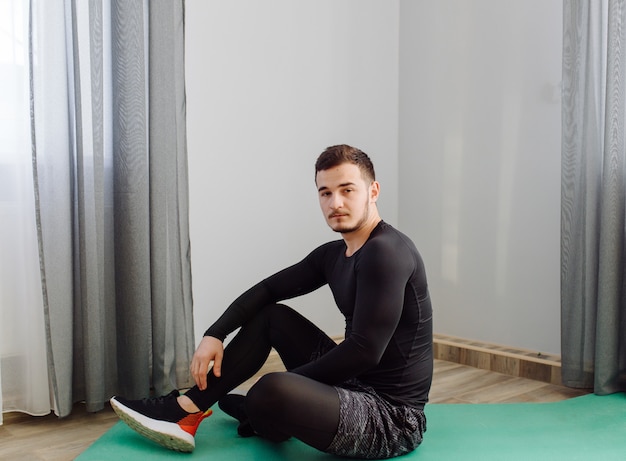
(372, 428)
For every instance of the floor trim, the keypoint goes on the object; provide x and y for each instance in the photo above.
(516, 362)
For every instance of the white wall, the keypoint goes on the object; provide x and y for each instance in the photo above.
(456, 101)
(269, 86)
(480, 164)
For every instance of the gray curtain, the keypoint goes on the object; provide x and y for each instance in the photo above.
(113, 209)
(593, 202)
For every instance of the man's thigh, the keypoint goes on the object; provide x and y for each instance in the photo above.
(282, 405)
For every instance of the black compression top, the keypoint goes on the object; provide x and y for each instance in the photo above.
(382, 292)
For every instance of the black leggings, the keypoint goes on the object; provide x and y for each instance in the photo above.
(279, 405)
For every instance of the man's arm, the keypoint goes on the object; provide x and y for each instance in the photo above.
(296, 280)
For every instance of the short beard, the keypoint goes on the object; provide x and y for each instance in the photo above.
(358, 225)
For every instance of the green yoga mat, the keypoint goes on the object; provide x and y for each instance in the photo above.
(583, 428)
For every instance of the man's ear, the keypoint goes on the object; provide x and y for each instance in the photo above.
(374, 191)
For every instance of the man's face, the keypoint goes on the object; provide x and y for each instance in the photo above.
(345, 197)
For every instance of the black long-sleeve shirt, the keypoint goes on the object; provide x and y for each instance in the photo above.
(382, 292)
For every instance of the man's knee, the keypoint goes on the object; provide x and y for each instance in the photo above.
(272, 312)
(278, 311)
(266, 394)
(265, 406)
(264, 319)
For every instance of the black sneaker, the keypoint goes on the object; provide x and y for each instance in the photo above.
(161, 419)
(233, 405)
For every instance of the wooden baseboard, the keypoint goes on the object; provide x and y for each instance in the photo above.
(501, 359)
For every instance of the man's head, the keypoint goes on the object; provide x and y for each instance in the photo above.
(347, 189)
(342, 153)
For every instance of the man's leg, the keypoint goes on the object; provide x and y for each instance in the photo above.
(294, 337)
(283, 405)
(163, 420)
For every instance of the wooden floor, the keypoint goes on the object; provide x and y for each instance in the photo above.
(29, 438)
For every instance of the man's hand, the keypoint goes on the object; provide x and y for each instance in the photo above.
(209, 350)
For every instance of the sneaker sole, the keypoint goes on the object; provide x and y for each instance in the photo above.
(167, 434)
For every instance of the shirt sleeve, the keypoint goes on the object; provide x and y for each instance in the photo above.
(299, 279)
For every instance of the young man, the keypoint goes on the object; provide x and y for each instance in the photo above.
(361, 398)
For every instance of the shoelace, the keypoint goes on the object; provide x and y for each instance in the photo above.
(154, 401)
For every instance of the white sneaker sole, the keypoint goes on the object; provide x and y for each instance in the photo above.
(169, 435)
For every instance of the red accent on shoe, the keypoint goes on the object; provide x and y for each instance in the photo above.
(191, 422)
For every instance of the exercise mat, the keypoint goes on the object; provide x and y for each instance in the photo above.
(585, 428)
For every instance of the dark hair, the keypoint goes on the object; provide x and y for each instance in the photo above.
(342, 153)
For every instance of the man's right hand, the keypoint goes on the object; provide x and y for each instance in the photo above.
(209, 350)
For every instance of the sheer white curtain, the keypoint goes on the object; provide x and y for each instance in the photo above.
(23, 365)
(95, 280)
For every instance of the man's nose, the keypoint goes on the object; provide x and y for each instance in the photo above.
(336, 201)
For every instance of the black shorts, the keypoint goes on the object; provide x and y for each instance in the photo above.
(370, 427)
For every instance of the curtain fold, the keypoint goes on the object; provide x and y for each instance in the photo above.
(110, 169)
(593, 210)
(131, 194)
(171, 251)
